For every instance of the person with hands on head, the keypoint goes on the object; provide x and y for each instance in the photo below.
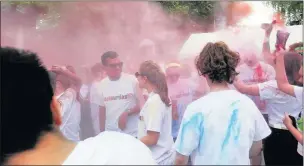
(278, 103)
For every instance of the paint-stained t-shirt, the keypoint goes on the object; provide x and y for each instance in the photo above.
(219, 129)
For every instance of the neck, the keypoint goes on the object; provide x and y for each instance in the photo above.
(51, 149)
(114, 78)
(150, 88)
(58, 92)
(218, 86)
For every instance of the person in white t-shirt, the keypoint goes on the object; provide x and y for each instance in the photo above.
(155, 125)
(253, 71)
(118, 97)
(279, 103)
(181, 93)
(70, 107)
(33, 137)
(291, 90)
(224, 127)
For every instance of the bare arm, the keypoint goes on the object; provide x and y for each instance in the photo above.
(281, 77)
(256, 149)
(151, 138)
(246, 89)
(266, 46)
(296, 133)
(102, 118)
(181, 159)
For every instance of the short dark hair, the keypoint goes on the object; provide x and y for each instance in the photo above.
(109, 54)
(25, 102)
(218, 62)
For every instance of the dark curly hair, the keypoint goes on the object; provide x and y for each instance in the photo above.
(218, 62)
(156, 77)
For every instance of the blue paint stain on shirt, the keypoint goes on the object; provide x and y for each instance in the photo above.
(193, 125)
(232, 126)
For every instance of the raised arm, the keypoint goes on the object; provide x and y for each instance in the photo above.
(66, 72)
(281, 77)
(266, 46)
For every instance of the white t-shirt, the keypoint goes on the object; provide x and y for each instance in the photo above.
(278, 102)
(299, 95)
(298, 91)
(71, 115)
(249, 76)
(110, 148)
(182, 92)
(220, 128)
(95, 109)
(156, 116)
(117, 96)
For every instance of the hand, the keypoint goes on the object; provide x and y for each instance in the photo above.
(122, 121)
(287, 121)
(57, 68)
(268, 29)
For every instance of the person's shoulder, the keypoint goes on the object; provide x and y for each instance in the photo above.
(124, 143)
(198, 103)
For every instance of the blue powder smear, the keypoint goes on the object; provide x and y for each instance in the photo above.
(232, 126)
(195, 124)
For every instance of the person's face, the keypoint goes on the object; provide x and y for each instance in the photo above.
(142, 80)
(113, 68)
(172, 75)
(251, 59)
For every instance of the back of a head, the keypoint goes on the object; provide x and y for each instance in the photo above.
(217, 62)
(106, 55)
(156, 77)
(293, 62)
(25, 102)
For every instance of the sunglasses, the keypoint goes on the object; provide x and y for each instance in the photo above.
(172, 75)
(137, 74)
(115, 65)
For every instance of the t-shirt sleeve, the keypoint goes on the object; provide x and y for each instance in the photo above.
(267, 91)
(96, 96)
(298, 91)
(154, 115)
(190, 132)
(66, 101)
(262, 129)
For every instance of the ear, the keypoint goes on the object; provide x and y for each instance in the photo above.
(55, 108)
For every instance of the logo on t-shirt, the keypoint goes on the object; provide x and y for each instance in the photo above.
(119, 97)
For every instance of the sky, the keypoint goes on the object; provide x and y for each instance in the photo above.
(261, 14)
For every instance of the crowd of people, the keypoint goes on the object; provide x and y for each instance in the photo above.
(155, 116)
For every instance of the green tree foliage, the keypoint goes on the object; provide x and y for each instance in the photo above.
(291, 10)
(195, 10)
(44, 14)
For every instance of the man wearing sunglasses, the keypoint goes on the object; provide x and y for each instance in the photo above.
(118, 96)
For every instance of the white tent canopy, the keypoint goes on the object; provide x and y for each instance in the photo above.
(255, 35)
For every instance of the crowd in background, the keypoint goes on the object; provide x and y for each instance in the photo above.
(227, 112)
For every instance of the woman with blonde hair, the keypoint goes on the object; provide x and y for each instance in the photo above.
(154, 128)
